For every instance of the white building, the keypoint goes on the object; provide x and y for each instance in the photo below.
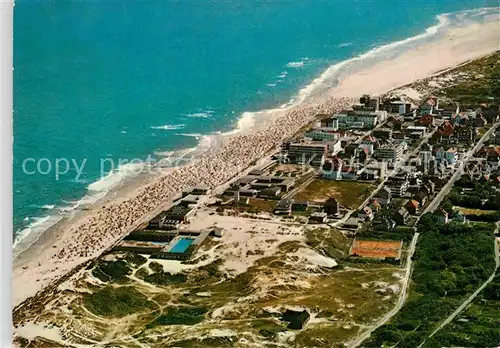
(332, 170)
(368, 147)
(425, 156)
(400, 107)
(330, 123)
(321, 134)
(451, 156)
(304, 153)
(334, 146)
(391, 152)
(422, 129)
(357, 119)
(398, 185)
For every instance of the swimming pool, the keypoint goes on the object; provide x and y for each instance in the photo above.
(182, 245)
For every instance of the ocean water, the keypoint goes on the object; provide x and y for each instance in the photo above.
(121, 80)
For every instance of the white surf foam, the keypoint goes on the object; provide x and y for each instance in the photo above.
(271, 85)
(344, 44)
(116, 176)
(200, 114)
(193, 135)
(295, 64)
(169, 127)
(31, 233)
(95, 191)
(247, 120)
(244, 123)
(331, 76)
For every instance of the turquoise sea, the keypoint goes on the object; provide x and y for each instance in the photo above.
(116, 79)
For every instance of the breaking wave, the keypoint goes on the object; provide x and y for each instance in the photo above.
(295, 64)
(169, 127)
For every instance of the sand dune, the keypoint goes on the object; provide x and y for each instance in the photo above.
(73, 242)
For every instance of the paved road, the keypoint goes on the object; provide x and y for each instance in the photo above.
(401, 300)
(458, 173)
(300, 187)
(409, 269)
(398, 165)
(471, 297)
(431, 207)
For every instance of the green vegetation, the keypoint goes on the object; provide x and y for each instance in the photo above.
(472, 211)
(156, 266)
(165, 278)
(472, 84)
(452, 260)
(142, 272)
(239, 285)
(492, 217)
(348, 193)
(478, 326)
(117, 302)
(330, 242)
(267, 327)
(135, 259)
(324, 336)
(225, 341)
(257, 205)
(481, 84)
(382, 233)
(475, 195)
(108, 271)
(180, 316)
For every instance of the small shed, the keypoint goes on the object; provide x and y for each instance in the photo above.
(318, 218)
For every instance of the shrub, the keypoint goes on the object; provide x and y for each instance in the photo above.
(165, 278)
(117, 302)
(156, 267)
(142, 272)
(135, 259)
(109, 271)
(180, 316)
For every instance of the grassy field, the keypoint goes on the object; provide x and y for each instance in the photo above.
(329, 241)
(350, 194)
(471, 211)
(262, 205)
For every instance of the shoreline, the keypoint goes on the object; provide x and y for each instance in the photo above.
(312, 92)
(99, 228)
(85, 236)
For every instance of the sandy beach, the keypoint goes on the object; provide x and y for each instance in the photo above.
(86, 236)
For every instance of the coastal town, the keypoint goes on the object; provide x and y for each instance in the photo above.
(312, 245)
(376, 166)
(251, 174)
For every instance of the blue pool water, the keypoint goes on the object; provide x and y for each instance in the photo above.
(125, 79)
(182, 245)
